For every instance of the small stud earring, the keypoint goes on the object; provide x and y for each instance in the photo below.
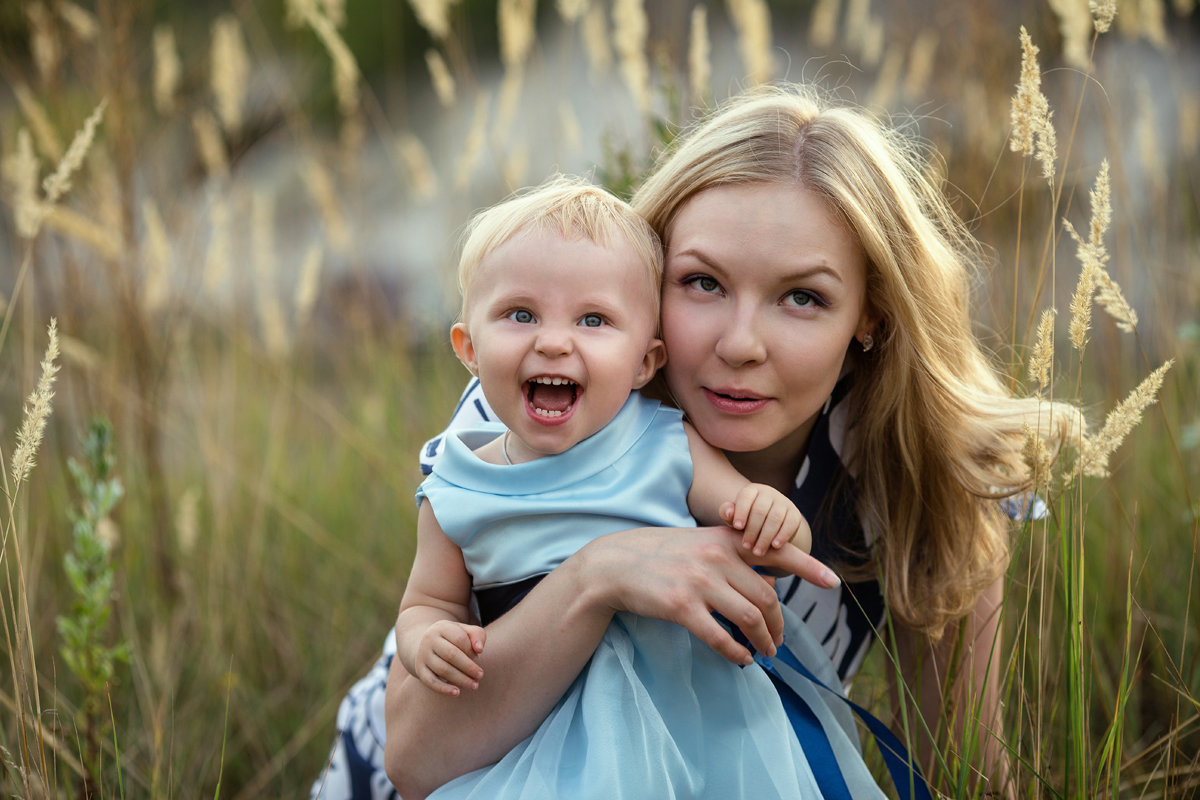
(868, 341)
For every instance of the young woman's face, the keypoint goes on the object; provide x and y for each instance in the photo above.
(764, 290)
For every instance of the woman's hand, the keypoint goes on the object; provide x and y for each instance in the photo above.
(683, 576)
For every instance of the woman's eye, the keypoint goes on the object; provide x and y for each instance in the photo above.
(591, 321)
(802, 299)
(521, 315)
(704, 283)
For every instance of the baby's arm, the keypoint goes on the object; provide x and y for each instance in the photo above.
(434, 640)
(766, 517)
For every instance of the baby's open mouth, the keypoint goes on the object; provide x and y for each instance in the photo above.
(551, 397)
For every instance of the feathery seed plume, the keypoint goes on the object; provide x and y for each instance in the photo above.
(59, 183)
(320, 187)
(699, 66)
(1043, 351)
(43, 130)
(1075, 27)
(434, 16)
(1033, 134)
(439, 75)
(307, 286)
(230, 71)
(167, 70)
(421, 178)
(1095, 451)
(81, 21)
(345, 68)
(515, 20)
(822, 26)
(630, 28)
(752, 18)
(920, 63)
(1081, 300)
(1037, 457)
(335, 11)
(43, 41)
(101, 237)
(473, 147)
(595, 40)
(37, 411)
(210, 144)
(1110, 297)
(157, 260)
(21, 172)
(1103, 12)
(571, 10)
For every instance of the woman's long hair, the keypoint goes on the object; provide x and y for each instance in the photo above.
(934, 438)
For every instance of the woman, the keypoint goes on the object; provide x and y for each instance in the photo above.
(815, 317)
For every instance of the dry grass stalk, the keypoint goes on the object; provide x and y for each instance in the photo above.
(187, 528)
(308, 285)
(21, 173)
(568, 126)
(167, 69)
(440, 77)
(79, 354)
(921, 58)
(595, 40)
(210, 144)
(1075, 27)
(220, 247)
(229, 71)
(858, 19)
(156, 286)
(752, 19)
(822, 25)
(44, 133)
(43, 41)
(699, 64)
(266, 295)
(103, 238)
(1147, 19)
(508, 98)
(58, 183)
(37, 412)
(571, 10)
(335, 11)
(1042, 358)
(434, 16)
(1112, 300)
(1033, 134)
(422, 180)
(888, 79)
(1188, 137)
(516, 167)
(1103, 13)
(873, 42)
(320, 187)
(473, 146)
(81, 21)
(630, 29)
(1093, 255)
(1094, 451)
(1081, 300)
(345, 68)
(515, 20)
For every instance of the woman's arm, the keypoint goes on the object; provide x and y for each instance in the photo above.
(965, 714)
(538, 648)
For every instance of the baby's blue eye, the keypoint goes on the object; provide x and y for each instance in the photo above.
(521, 315)
(591, 321)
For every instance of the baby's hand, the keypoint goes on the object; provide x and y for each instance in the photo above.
(767, 519)
(446, 657)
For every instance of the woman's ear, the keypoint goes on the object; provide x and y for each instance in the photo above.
(656, 356)
(464, 348)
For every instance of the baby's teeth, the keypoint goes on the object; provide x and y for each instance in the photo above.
(543, 412)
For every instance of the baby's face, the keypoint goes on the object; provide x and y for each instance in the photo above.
(560, 332)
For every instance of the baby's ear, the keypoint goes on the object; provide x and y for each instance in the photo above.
(464, 348)
(656, 356)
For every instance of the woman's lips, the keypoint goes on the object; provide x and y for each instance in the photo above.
(735, 402)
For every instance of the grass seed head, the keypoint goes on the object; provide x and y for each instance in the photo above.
(37, 411)
(1094, 451)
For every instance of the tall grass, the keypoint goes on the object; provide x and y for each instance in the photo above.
(245, 251)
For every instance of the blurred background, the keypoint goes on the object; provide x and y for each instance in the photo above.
(242, 216)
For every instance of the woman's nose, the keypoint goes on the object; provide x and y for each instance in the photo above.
(741, 341)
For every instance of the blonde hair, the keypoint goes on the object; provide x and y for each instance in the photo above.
(932, 432)
(567, 206)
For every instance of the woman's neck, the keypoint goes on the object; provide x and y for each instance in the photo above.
(775, 469)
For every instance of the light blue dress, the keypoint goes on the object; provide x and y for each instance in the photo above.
(655, 713)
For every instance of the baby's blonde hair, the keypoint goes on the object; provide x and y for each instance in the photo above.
(567, 206)
(933, 434)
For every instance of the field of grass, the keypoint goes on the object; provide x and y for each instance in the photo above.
(240, 216)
